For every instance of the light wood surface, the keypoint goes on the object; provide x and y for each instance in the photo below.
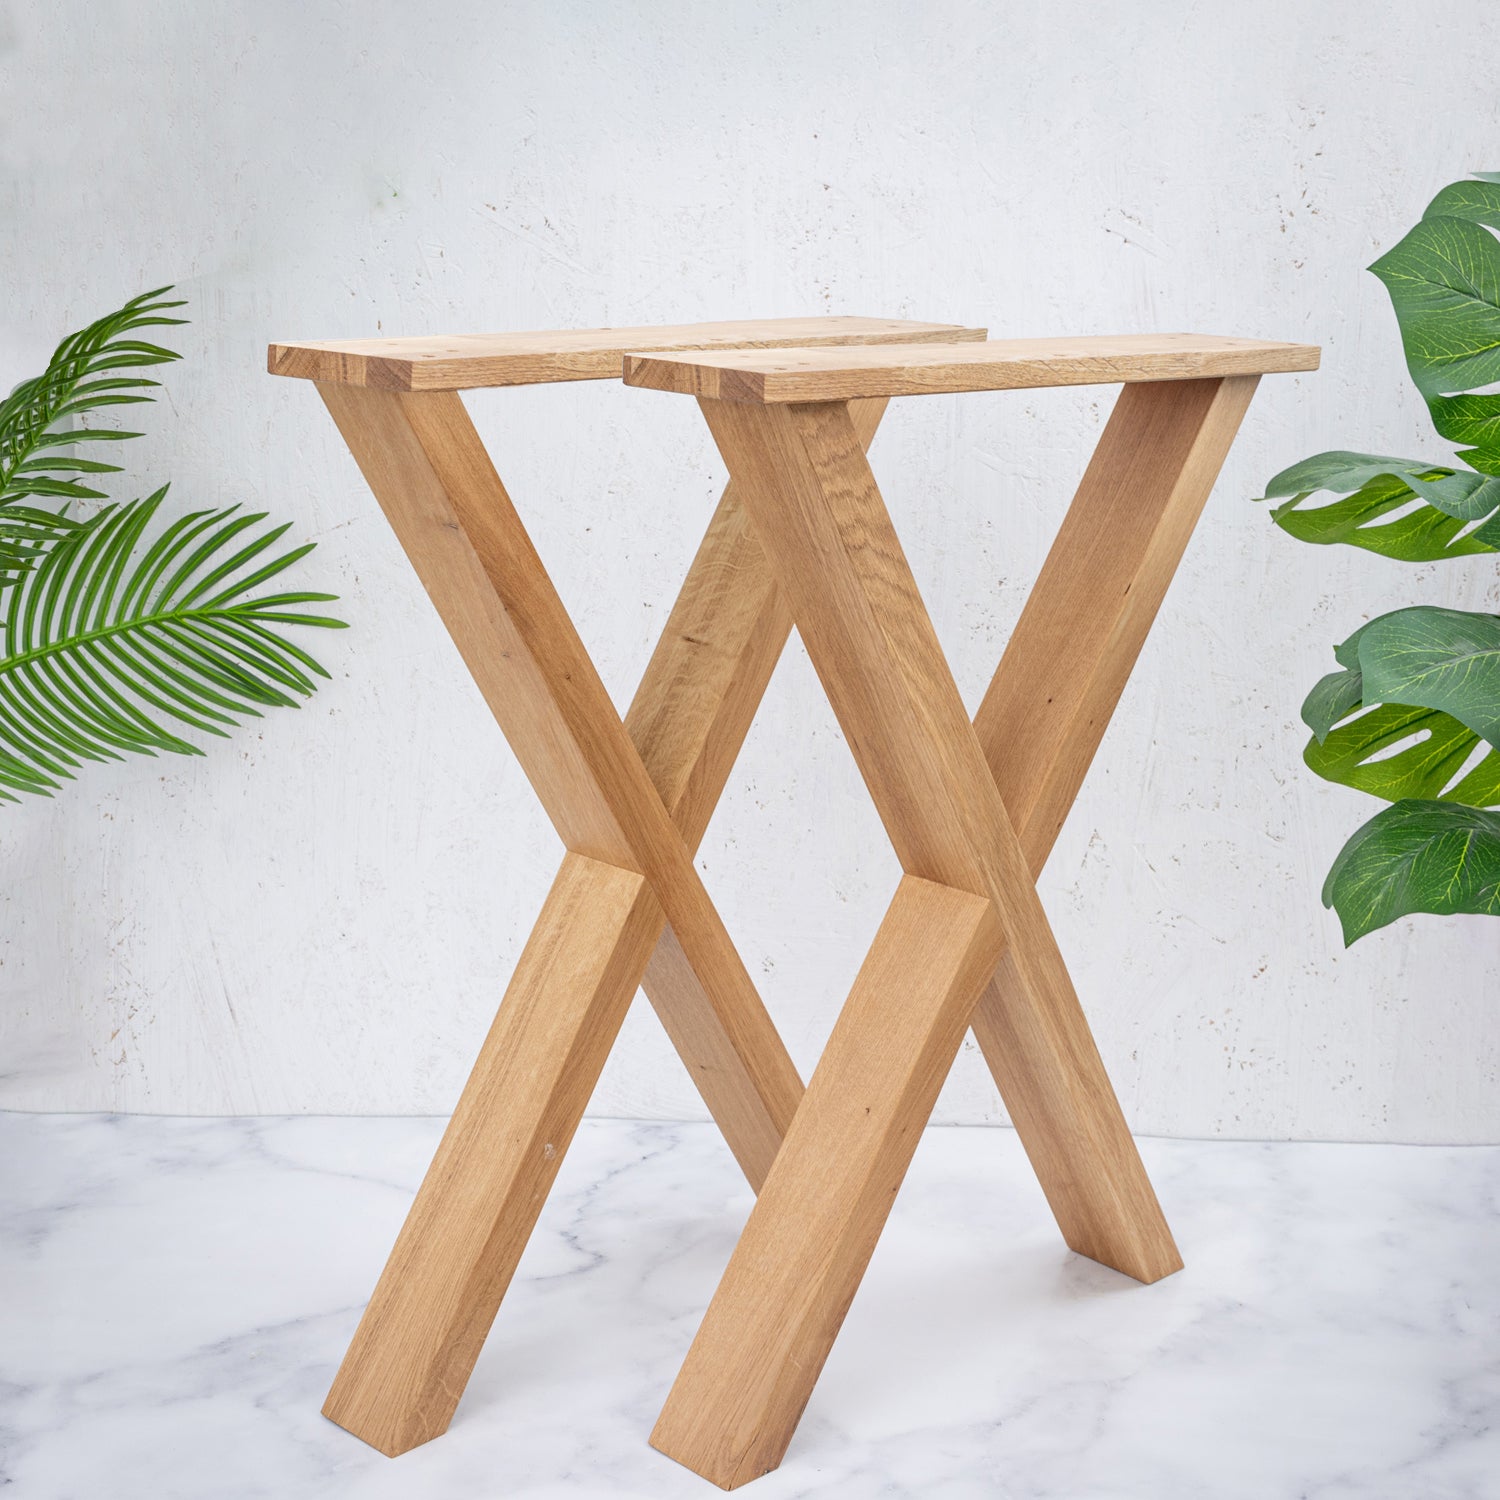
(1039, 725)
(499, 1155)
(803, 478)
(972, 810)
(780, 1304)
(710, 669)
(792, 375)
(689, 718)
(1061, 677)
(424, 462)
(466, 361)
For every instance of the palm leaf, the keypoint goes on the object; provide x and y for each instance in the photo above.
(24, 535)
(117, 643)
(80, 378)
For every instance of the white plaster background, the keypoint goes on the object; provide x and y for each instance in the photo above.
(320, 915)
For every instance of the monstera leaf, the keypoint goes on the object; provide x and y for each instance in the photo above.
(1446, 659)
(1444, 284)
(1382, 511)
(1416, 856)
(1413, 713)
(1417, 694)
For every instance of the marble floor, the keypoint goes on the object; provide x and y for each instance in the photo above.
(175, 1295)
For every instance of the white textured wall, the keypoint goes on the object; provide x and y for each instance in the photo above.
(321, 915)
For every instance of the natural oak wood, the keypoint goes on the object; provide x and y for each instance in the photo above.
(688, 720)
(466, 361)
(802, 375)
(425, 463)
(1060, 677)
(971, 809)
(480, 1199)
(690, 715)
(803, 1252)
(1040, 724)
(711, 667)
(818, 512)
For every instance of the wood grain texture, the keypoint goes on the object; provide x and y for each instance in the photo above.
(425, 463)
(800, 1259)
(715, 657)
(694, 706)
(422, 1331)
(1040, 724)
(1094, 602)
(688, 720)
(805, 482)
(808, 375)
(467, 361)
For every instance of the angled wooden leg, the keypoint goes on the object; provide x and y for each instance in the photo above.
(1096, 598)
(425, 464)
(427, 467)
(608, 788)
(818, 513)
(1040, 723)
(803, 1252)
(422, 1331)
(688, 720)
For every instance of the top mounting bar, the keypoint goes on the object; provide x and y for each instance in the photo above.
(935, 368)
(466, 361)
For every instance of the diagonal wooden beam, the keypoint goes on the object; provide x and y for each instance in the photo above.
(427, 467)
(687, 723)
(1050, 701)
(1052, 697)
(689, 718)
(415, 1347)
(804, 1250)
(819, 513)
(416, 1344)
(1040, 724)
(1095, 600)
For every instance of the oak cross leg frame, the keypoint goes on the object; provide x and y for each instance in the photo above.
(631, 803)
(972, 812)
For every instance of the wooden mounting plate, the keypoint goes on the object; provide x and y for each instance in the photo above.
(467, 361)
(934, 368)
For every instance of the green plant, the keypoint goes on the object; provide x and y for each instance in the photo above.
(1413, 713)
(116, 639)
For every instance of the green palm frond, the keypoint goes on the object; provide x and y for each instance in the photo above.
(33, 456)
(24, 535)
(116, 643)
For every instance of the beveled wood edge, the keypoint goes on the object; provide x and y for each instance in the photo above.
(366, 362)
(937, 369)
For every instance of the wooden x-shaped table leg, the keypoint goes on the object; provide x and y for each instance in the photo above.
(972, 813)
(631, 802)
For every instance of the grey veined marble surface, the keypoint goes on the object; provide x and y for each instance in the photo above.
(177, 1293)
